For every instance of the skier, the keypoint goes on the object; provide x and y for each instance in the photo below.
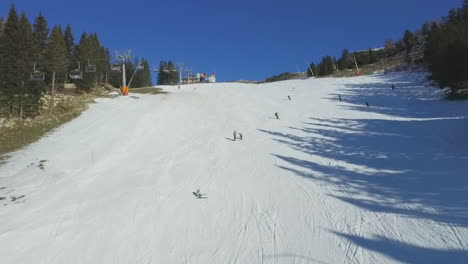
(367, 104)
(393, 86)
(198, 194)
(289, 97)
(277, 116)
(339, 97)
(234, 135)
(240, 136)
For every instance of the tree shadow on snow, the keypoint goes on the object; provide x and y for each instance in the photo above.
(414, 168)
(409, 99)
(393, 162)
(407, 253)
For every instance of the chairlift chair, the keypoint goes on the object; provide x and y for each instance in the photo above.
(37, 75)
(90, 67)
(115, 67)
(76, 74)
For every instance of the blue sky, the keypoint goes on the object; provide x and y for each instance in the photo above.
(240, 39)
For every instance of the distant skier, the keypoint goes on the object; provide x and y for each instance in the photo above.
(289, 97)
(198, 194)
(240, 136)
(277, 116)
(339, 97)
(393, 86)
(234, 134)
(178, 87)
(367, 104)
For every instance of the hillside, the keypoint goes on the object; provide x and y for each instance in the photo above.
(329, 182)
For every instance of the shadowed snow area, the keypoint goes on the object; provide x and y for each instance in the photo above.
(330, 181)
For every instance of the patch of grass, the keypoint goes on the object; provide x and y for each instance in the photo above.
(22, 135)
(25, 133)
(147, 90)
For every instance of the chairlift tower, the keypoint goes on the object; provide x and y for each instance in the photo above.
(123, 56)
(310, 68)
(180, 67)
(358, 72)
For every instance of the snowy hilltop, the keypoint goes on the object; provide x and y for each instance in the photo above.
(349, 170)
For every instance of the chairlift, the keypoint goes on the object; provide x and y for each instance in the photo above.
(115, 67)
(37, 75)
(90, 68)
(76, 74)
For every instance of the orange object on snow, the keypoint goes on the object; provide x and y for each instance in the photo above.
(124, 90)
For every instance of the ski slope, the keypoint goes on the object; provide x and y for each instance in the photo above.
(329, 182)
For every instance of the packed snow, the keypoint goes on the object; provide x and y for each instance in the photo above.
(330, 181)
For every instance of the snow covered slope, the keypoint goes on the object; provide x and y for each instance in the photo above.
(329, 182)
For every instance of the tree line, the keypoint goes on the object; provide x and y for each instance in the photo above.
(447, 49)
(444, 44)
(167, 73)
(31, 55)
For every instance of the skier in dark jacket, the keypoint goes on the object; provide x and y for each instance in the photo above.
(277, 116)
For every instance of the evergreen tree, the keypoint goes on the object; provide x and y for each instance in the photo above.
(57, 55)
(426, 27)
(346, 60)
(372, 58)
(69, 40)
(409, 40)
(314, 70)
(161, 73)
(9, 85)
(389, 48)
(173, 77)
(146, 73)
(447, 50)
(70, 45)
(142, 76)
(1, 25)
(90, 54)
(41, 35)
